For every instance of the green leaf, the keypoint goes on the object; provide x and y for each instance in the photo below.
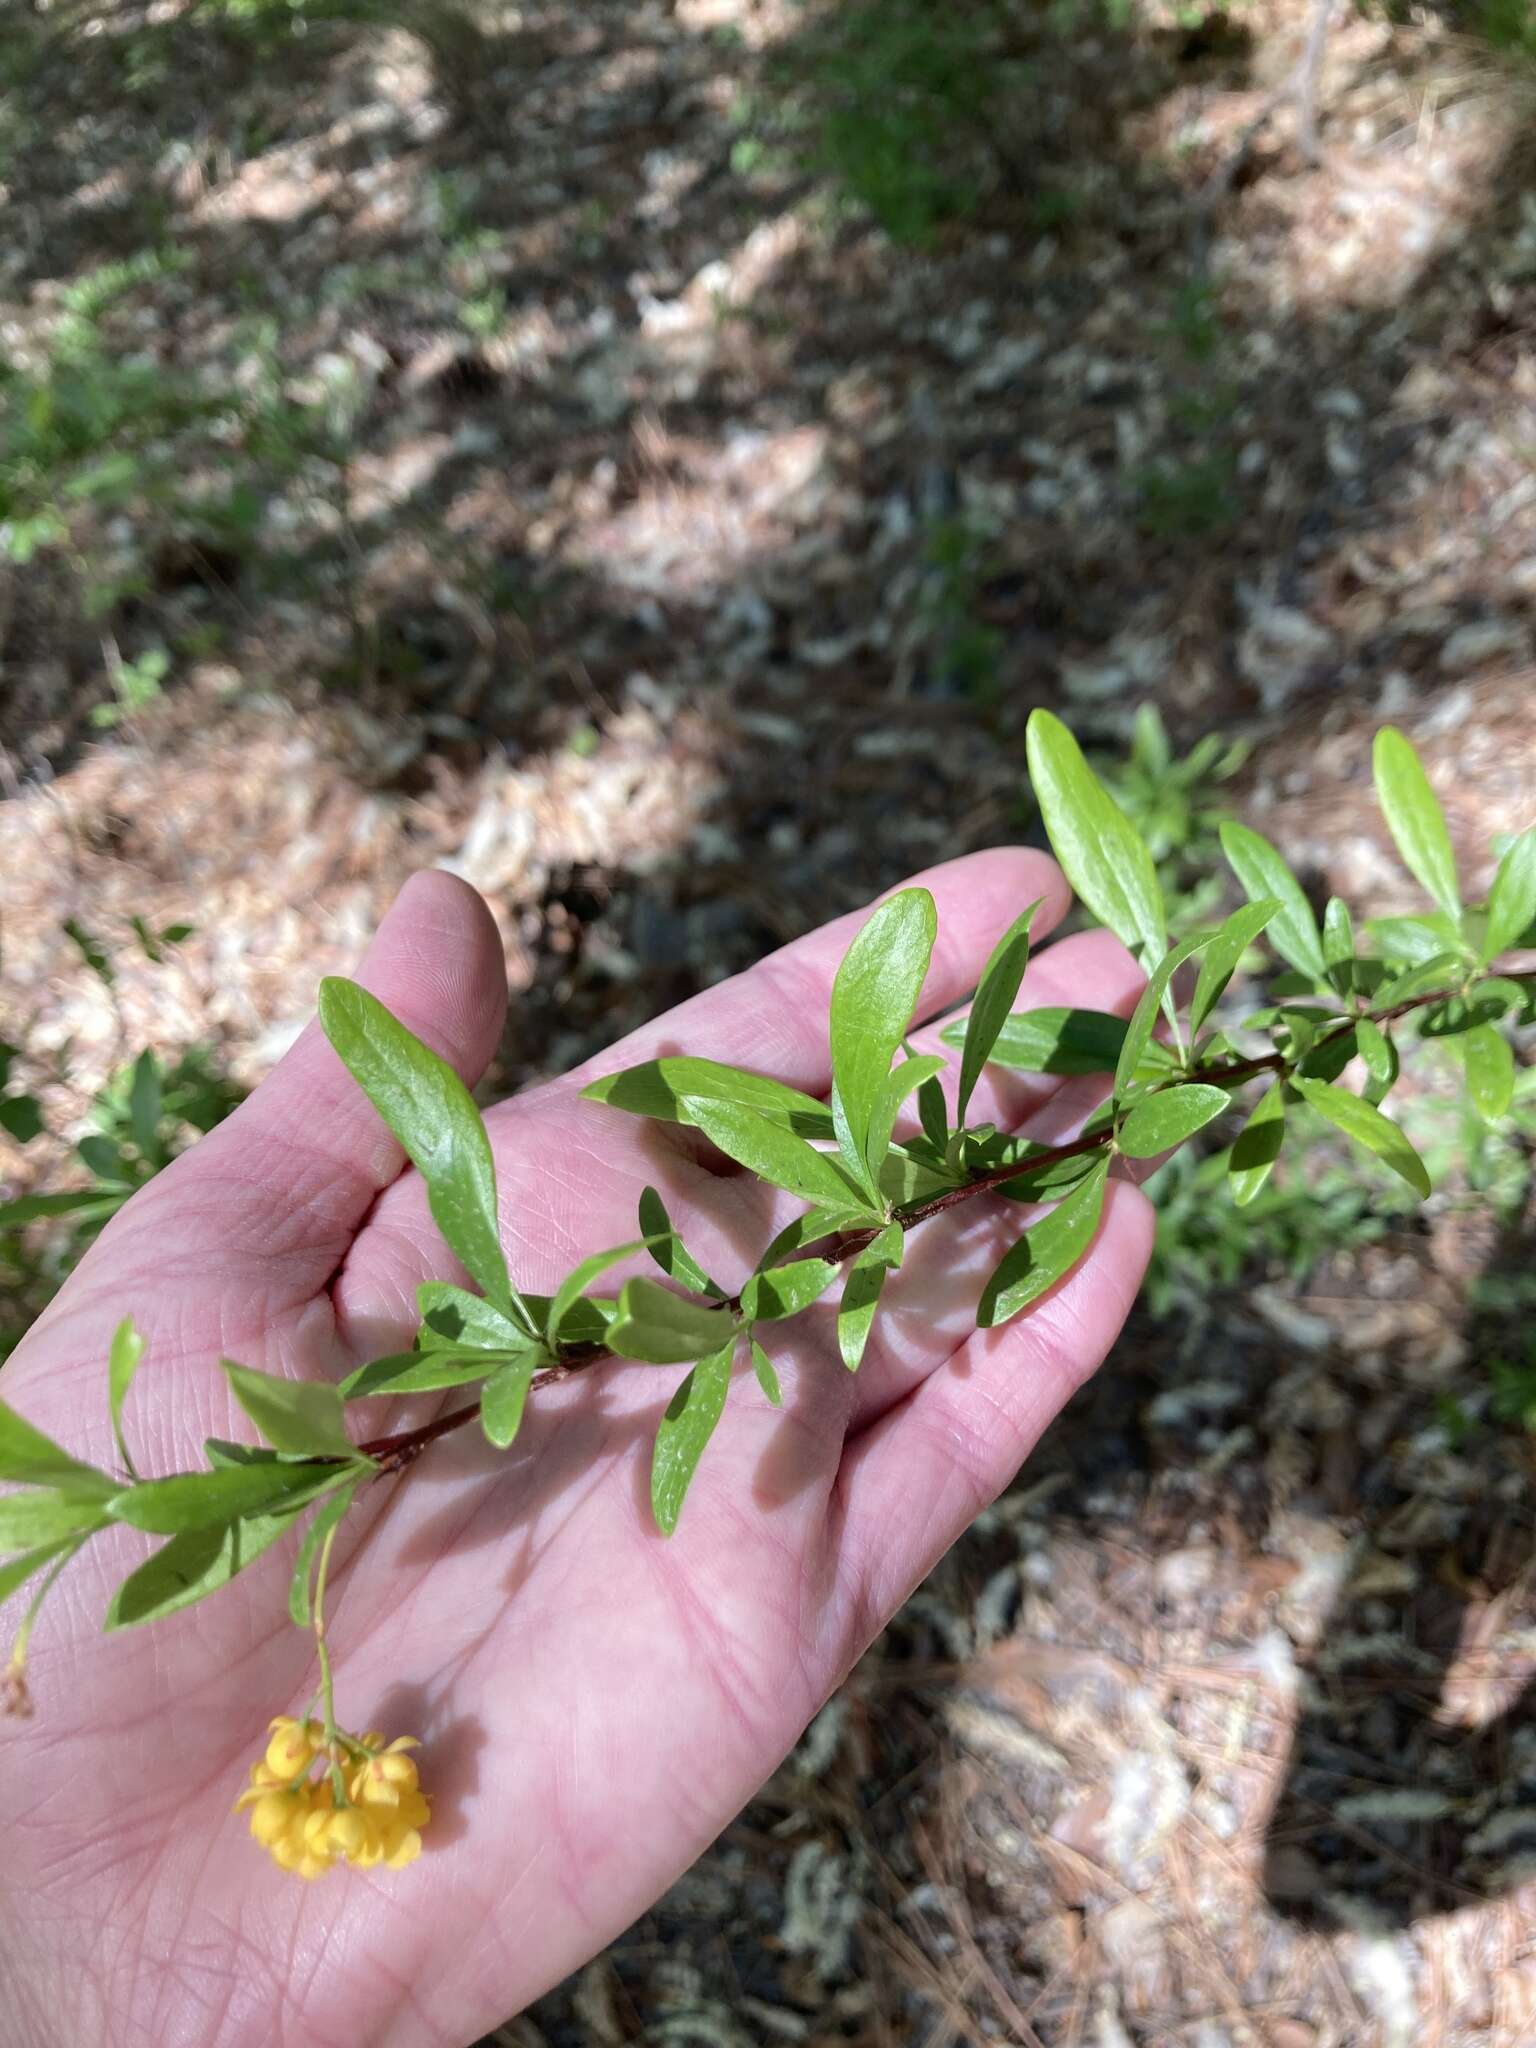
(1339, 945)
(1512, 899)
(90, 950)
(196, 1563)
(933, 1115)
(770, 1296)
(1440, 970)
(434, 1117)
(1410, 941)
(575, 1284)
(122, 1363)
(862, 1291)
(684, 1430)
(1414, 818)
(1046, 1253)
(145, 1100)
(1101, 853)
(1380, 1056)
(777, 1155)
(1052, 1041)
(1264, 874)
(664, 1088)
(105, 1159)
(32, 1459)
(994, 998)
(892, 1093)
(14, 1576)
(202, 1500)
(1224, 952)
(1050, 1182)
(668, 1249)
(149, 945)
(1368, 1128)
(662, 1328)
(874, 995)
(1166, 1119)
(330, 1511)
(304, 1416)
(453, 1317)
(43, 1516)
(427, 1372)
(20, 1118)
(767, 1378)
(1138, 1032)
(1490, 1065)
(86, 1202)
(503, 1399)
(1258, 1145)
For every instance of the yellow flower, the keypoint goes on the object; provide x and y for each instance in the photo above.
(296, 1818)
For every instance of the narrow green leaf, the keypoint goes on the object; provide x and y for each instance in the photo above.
(90, 950)
(1339, 945)
(862, 1291)
(426, 1372)
(86, 1202)
(1101, 853)
(668, 1249)
(1258, 1145)
(330, 1511)
(196, 1563)
(1046, 1253)
(782, 1291)
(684, 1430)
(1138, 1033)
(1512, 899)
(933, 1115)
(1410, 941)
(663, 1089)
(202, 1500)
(434, 1117)
(777, 1155)
(874, 995)
(122, 1363)
(575, 1284)
(1224, 952)
(1414, 817)
(149, 945)
(503, 1400)
(1052, 1041)
(889, 1097)
(1049, 1183)
(1264, 873)
(144, 1104)
(1380, 1056)
(15, 1574)
(42, 1516)
(304, 1416)
(32, 1459)
(994, 998)
(767, 1378)
(1166, 1119)
(20, 1118)
(661, 1328)
(1368, 1128)
(452, 1316)
(1490, 1065)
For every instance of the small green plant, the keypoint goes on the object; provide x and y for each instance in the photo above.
(860, 1176)
(962, 649)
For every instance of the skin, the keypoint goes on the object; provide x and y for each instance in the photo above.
(595, 1702)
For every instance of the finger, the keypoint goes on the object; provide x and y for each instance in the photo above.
(293, 1172)
(773, 1017)
(913, 1481)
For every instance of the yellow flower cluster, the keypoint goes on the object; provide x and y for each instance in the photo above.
(302, 1824)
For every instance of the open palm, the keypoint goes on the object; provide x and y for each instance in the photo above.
(595, 1702)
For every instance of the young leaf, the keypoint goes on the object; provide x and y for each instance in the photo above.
(15, 1574)
(434, 1117)
(782, 1291)
(1512, 899)
(874, 994)
(1052, 1041)
(1166, 1119)
(1368, 1128)
(1046, 1253)
(1414, 818)
(668, 1249)
(767, 1378)
(122, 1363)
(196, 1563)
(664, 1088)
(304, 1416)
(933, 1115)
(1138, 1033)
(452, 1316)
(1264, 874)
(32, 1459)
(427, 1372)
(891, 1094)
(575, 1284)
(995, 993)
(1380, 1056)
(327, 1515)
(1339, 945)
(203, 1500)
(1049, 1183)
(1490, 1065)
(503, 1399)
(777, 1155)
(1258, 1145)
(1224, 952)
(682, 1433)
(1102, 854)
(661, 1328)
(862, 1291)
(43, 1515)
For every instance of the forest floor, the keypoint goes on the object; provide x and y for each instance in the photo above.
(496, 438)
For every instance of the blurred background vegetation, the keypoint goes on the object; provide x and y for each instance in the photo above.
(651, 456)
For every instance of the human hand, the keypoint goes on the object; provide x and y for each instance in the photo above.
(596, 1702)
